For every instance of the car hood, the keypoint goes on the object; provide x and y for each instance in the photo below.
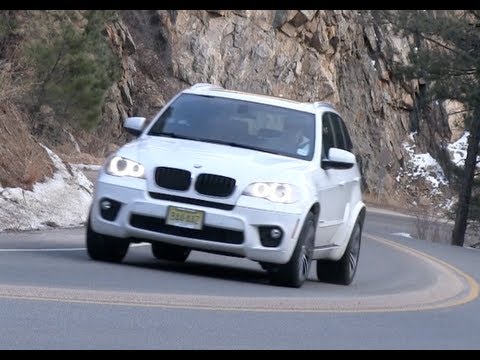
(244, 165)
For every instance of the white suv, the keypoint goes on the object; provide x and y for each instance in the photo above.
(237, 174)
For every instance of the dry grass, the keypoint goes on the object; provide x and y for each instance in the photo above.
(431, 224)
(472, 235)
(78, 158)
(7, 90)
(23, 162)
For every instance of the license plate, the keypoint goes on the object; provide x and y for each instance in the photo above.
(186, 218)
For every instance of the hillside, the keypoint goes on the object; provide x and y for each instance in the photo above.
(339, 56)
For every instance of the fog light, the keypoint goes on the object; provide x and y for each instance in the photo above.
(109, 209)
(106, 205)
(270, 236)
(275, 233)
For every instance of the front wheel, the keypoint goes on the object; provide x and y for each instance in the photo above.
(342, 271)
(295, 272)
(105, 248)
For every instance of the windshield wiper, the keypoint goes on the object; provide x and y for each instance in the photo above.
(172, 135)
(213, 141)
(250, 147)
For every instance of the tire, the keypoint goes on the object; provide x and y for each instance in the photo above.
(105, 248)
(170, 252)
(295, 272)
(342, 271)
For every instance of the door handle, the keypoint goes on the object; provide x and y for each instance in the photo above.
(342, 183)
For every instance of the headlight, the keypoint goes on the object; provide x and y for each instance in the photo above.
(276, 192)
(120, 166)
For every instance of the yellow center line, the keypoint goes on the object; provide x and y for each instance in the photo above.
(474, 287)
(454, 287)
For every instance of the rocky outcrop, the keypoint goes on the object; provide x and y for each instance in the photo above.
(338, 56)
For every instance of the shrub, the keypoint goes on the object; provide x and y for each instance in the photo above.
(74, 69)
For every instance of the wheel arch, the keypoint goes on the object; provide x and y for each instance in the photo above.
(357, 214)
(315, 209)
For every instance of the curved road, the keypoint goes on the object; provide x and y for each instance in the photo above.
(408, 294)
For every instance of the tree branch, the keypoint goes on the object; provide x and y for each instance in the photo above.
(457, 112)
(438, 43)
(474, 13)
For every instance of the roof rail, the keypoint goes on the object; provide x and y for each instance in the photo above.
(318, 104)
(206, 85)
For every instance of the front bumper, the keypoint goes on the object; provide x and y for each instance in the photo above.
(137, 202)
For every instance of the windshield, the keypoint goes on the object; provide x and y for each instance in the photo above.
(239, 123)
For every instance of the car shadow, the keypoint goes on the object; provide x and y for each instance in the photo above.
(143, 259)
(198, 268)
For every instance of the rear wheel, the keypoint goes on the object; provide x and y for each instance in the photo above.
(105, 248)
(295, 272)
(342, 271)
(170, 252)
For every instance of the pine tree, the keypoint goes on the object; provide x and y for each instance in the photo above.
(75, 68)
(445, 53)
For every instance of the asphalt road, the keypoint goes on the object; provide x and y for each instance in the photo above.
(408, 294)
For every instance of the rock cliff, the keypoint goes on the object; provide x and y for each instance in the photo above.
(339, 56)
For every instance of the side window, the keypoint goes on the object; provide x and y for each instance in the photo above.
(328, 136)
(337, 128)
(346, 136)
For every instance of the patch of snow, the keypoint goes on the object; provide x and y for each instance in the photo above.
(458, 150)
(424, 165)
(87, 167)
(449, 204)
(402, 234)
(72, 139)
(63, 200)
(411, 136)
(474, 246)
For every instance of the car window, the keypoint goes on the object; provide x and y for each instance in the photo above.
(338, 131)
(348, 140)
(328, 136)
(241, 123)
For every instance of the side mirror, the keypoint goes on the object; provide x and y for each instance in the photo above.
(134, 125)
(338, 159)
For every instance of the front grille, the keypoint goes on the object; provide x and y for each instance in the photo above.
(209, 233)
(185, 200)
(215, 185)
(171, 178)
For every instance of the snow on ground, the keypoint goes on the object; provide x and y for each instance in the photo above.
(87, 167)
(407, 235)
(60, 201)
(458, 150)
(425, 166)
